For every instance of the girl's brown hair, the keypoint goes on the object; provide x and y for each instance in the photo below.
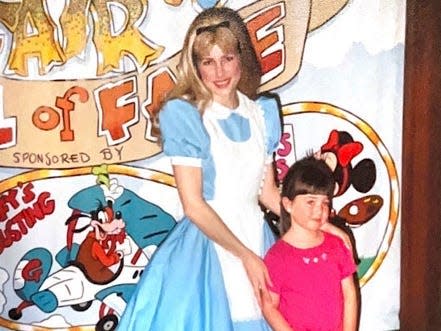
(309, 175)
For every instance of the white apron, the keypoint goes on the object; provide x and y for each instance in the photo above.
(239, 169)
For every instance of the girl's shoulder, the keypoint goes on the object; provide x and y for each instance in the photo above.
(334, 242)
(278, 248)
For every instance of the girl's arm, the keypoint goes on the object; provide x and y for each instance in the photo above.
(350, 314)
(270, 310)
(189, 184)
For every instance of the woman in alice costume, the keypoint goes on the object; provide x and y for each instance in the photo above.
(208, 274)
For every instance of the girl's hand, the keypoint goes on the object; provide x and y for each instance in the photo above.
(258, 276)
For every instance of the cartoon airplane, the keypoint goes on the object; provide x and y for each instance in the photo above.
(124, 231)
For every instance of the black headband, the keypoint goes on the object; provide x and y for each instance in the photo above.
(212, 28)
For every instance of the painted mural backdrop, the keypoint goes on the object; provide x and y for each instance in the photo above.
(86, 195)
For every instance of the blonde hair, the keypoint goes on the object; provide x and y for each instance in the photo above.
(224, 28)
(215, 26)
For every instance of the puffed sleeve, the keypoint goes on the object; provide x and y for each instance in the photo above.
(183, 135)
(272, 119)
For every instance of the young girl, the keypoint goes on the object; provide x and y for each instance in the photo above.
(311, 271)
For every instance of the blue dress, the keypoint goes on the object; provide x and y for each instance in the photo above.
(191, 283)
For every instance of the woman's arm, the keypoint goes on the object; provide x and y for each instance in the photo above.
(189, 184)
(270, 309)
(350, 314)
(270, 194)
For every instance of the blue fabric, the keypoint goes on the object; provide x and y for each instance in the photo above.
(272, 122)
(258, 325)
(237, 131)
(184, 134)
(182, 130)
(182, 288)
(181, 125)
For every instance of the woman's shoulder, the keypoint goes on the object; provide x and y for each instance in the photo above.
(277, 249)
(179, 104)
(269, 104)
(178, 115)
(268, 101)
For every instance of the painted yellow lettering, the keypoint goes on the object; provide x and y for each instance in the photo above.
(34, 37)
(117, 34)
(74, 23)
(8, 14)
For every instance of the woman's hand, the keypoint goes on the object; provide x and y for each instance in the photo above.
(336, 231)
(258, 276)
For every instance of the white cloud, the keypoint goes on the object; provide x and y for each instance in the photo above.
(378, 25)
(3, 278)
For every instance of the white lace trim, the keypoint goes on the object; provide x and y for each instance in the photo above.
(268, 159)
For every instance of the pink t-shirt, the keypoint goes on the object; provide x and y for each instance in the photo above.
(308, 282)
